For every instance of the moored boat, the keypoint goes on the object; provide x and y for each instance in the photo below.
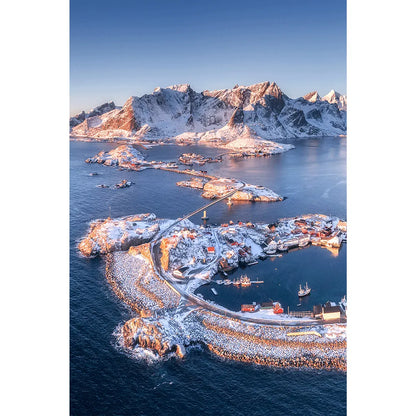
(304, 291)
(245, 281)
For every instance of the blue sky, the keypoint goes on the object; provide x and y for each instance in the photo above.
(129, 47)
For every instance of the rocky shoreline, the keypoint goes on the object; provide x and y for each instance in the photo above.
(164, 328)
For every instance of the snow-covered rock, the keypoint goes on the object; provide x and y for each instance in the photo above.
(218, 187)
(106, 236)
(123, 156)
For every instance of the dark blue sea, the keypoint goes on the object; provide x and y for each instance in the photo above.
(105, 381)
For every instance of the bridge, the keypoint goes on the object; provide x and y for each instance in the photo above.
(185, 217)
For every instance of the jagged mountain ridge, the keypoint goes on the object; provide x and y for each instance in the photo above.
(262, 110)
(332, 97)
(97, 111)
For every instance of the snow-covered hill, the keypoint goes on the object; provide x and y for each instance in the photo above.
(257, 111)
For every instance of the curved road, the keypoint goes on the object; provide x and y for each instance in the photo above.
(178, 287)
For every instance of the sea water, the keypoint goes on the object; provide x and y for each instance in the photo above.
(106, 381)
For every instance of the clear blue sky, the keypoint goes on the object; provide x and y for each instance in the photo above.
(129, 47)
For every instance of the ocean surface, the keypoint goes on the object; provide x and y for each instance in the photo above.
(105, 381)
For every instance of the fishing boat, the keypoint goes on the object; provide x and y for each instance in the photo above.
(304, 291)
(236, 282)
(245, 281)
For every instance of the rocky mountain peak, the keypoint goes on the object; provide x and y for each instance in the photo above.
(180, 87)
(312, 97)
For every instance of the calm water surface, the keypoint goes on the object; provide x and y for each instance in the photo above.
(107, 382)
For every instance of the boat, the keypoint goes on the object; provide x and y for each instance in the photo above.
(304, 291)
(227, 282)
(214, 291)
(245, 281)
(219, 282)
(236, 282)
(252, 263)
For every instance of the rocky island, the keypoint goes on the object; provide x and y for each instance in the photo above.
(155, 266)
(127, 157)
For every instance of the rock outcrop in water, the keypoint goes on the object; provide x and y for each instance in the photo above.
(123, 156)
(106, 236)
(221, 186)
(136, 332)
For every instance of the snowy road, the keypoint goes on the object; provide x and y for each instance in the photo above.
(180, 287)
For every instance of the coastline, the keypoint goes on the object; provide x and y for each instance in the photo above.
(165, 323)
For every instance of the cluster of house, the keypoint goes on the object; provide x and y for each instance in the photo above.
(330, 311)
(194, 158)
(253, 307)
(316, 229)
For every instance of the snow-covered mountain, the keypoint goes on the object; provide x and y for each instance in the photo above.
(312, 97)
(332, 97)
(257, 111)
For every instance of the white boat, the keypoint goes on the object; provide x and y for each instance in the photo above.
(214, 291)
(304, 291)
(227, 282)
(252, 263)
